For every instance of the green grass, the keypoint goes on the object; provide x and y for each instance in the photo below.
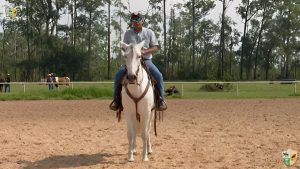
(188, 91)
(41, 92)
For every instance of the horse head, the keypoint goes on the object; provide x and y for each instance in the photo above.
(133, 55)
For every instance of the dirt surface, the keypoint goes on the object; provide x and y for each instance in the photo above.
(224, 134)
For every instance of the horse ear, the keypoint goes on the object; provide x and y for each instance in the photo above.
(123, 46)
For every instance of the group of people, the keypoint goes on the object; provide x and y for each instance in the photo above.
(5, 82)
(51, 81)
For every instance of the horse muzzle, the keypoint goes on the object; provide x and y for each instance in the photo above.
(131, 78)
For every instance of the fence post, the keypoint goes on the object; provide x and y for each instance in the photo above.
(181, 89)
(24, 88)
(237, 89)
(72, 85)
(295, 88)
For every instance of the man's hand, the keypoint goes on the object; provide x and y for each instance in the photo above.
(144, 51)
(151, 50)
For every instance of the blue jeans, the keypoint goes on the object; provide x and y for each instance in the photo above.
(154, 72)
(50, 86)
(7, 88)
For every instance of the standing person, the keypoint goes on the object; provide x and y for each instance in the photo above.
(50, 82)
(2, 81)
(7, 83)
(136, 34)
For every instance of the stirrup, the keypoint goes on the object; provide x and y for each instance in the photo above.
(114, 105)
(161, 105)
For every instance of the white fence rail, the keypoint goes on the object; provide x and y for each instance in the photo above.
(182, 84)
(294, 84)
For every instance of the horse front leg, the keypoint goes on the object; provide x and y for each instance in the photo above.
(149, 147)
(131, 143)
(145, 137)
(134, 146)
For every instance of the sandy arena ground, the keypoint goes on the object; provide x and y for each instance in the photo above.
(208, 134)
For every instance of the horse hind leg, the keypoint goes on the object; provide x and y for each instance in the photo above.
(149, 146)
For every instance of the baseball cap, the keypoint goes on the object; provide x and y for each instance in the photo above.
(136, 17)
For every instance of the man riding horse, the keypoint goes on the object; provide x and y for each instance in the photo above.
(136, 34)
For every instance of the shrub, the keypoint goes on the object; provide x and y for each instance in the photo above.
(216, 87)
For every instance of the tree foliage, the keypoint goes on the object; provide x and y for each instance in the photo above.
(71, 37)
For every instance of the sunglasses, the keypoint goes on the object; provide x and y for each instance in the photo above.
(136, 19)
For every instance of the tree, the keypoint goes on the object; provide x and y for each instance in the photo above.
(266, 10)
(287, 19)
(247, 11)
(91, 8)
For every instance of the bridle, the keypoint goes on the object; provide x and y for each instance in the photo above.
(136, 75)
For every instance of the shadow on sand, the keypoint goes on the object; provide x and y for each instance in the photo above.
(68, 161)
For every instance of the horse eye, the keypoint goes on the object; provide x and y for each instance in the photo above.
(139, 56)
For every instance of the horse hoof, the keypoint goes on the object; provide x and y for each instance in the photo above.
(131, 160)
(146, 159)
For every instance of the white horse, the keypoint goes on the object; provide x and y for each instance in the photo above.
(138, 100)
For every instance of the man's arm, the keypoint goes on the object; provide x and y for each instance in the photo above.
(150, 50)
(153, 44)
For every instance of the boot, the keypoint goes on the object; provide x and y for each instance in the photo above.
(161, 105)
(115, 104)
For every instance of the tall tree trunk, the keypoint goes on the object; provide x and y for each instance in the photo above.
(108, 42)
(3, 46)
(48, 17)
(90, 45)
(243, 41)
(120, 38)
(165, 39)
(173, 35)
(28, 73)
(268, 60)
(222, 45)
(287, 61)
(287, 47)
(171, 44)
(258, 44)
(193, 36)
(230, 57)
(74, 22)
